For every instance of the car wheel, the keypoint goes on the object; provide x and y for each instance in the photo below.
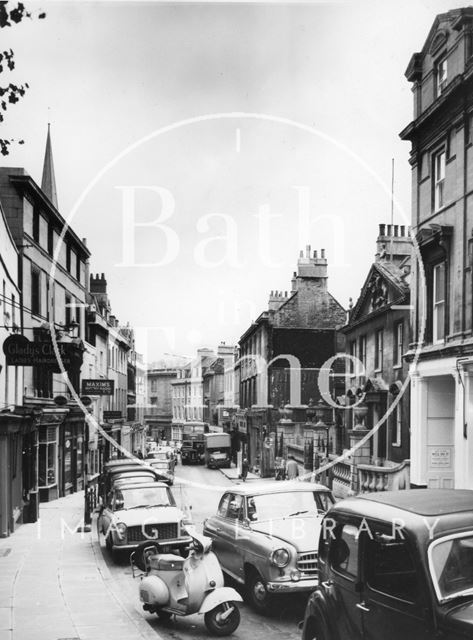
(257, 593)
(223, 620)
(316, 631)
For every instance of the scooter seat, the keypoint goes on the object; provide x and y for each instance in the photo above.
(166, 562)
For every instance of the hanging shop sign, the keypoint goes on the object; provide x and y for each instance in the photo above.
(20, 352)
(98, 387)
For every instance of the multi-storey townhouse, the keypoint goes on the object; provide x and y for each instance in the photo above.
(441, 355)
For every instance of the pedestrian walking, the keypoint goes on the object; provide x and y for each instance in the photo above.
(292, 469)
(244, 469)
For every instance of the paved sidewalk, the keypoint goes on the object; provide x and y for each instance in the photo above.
(233, 474)
(55, 585)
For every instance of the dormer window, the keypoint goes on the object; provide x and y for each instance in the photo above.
(441, 74)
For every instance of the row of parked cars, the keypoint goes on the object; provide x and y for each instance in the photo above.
(384, 565)
(138, 504)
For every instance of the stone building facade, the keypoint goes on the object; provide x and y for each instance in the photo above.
(281, 355)
(441, 355)
(377, 391)
(53, 283)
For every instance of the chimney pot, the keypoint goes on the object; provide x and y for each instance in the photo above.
(307, 251)
(285, 294)
(381, 229)
(315, 255)
(403, 230)
(388, 230)
(322, 254)
(301, 254)
(396, 230)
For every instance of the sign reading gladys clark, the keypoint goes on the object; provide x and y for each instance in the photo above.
(20, 352)
(98, 387)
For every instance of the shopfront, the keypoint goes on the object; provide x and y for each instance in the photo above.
(11, 504)
(50, 454)
(72, 446)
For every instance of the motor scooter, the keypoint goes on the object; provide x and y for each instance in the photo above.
(173, 585)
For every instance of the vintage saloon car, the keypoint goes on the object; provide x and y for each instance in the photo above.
(121, 469)
(138, 512)
(395, 565)
(266, 536)
(164, 463)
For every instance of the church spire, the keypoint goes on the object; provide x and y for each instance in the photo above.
(48, 181)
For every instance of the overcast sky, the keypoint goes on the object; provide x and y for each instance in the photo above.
(140, 97)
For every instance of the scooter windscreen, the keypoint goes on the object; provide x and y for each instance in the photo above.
(202, 544)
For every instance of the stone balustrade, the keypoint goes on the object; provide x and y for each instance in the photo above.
(341, 478)
(373, 478)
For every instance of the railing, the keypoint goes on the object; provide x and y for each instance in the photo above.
(373, 478)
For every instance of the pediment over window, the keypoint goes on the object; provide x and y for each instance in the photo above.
(435, 235)
(385, 285)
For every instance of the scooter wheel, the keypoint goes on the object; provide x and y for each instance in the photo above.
(220, 622)
(164, 615)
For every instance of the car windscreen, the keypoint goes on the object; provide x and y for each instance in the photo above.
(451, 566)
(146, 497)
(288, 503)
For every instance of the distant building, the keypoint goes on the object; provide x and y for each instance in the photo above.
(159, 411)
(281, 353)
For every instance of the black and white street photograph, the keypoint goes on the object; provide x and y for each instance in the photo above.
(236, 319)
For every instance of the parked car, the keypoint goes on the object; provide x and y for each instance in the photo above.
(396, 565)
(135, 513)
(164, 464)
(266, 536)
(113, 472)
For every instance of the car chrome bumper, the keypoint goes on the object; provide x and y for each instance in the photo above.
(173, 544)
(292, 586)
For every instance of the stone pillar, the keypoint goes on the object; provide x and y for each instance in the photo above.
(418, 428)
(360, 455)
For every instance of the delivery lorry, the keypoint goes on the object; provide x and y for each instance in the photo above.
(217, 450)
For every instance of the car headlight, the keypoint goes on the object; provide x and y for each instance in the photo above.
(121, 529)
(280, 557)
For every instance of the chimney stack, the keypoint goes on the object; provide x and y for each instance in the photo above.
(393, 239)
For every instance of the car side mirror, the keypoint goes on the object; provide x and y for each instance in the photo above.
(118, 505)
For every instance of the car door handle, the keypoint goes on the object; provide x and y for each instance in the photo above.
(213, 529)
(362, 606)
(327, 584)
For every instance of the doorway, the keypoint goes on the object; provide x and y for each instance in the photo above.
(440, 447)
